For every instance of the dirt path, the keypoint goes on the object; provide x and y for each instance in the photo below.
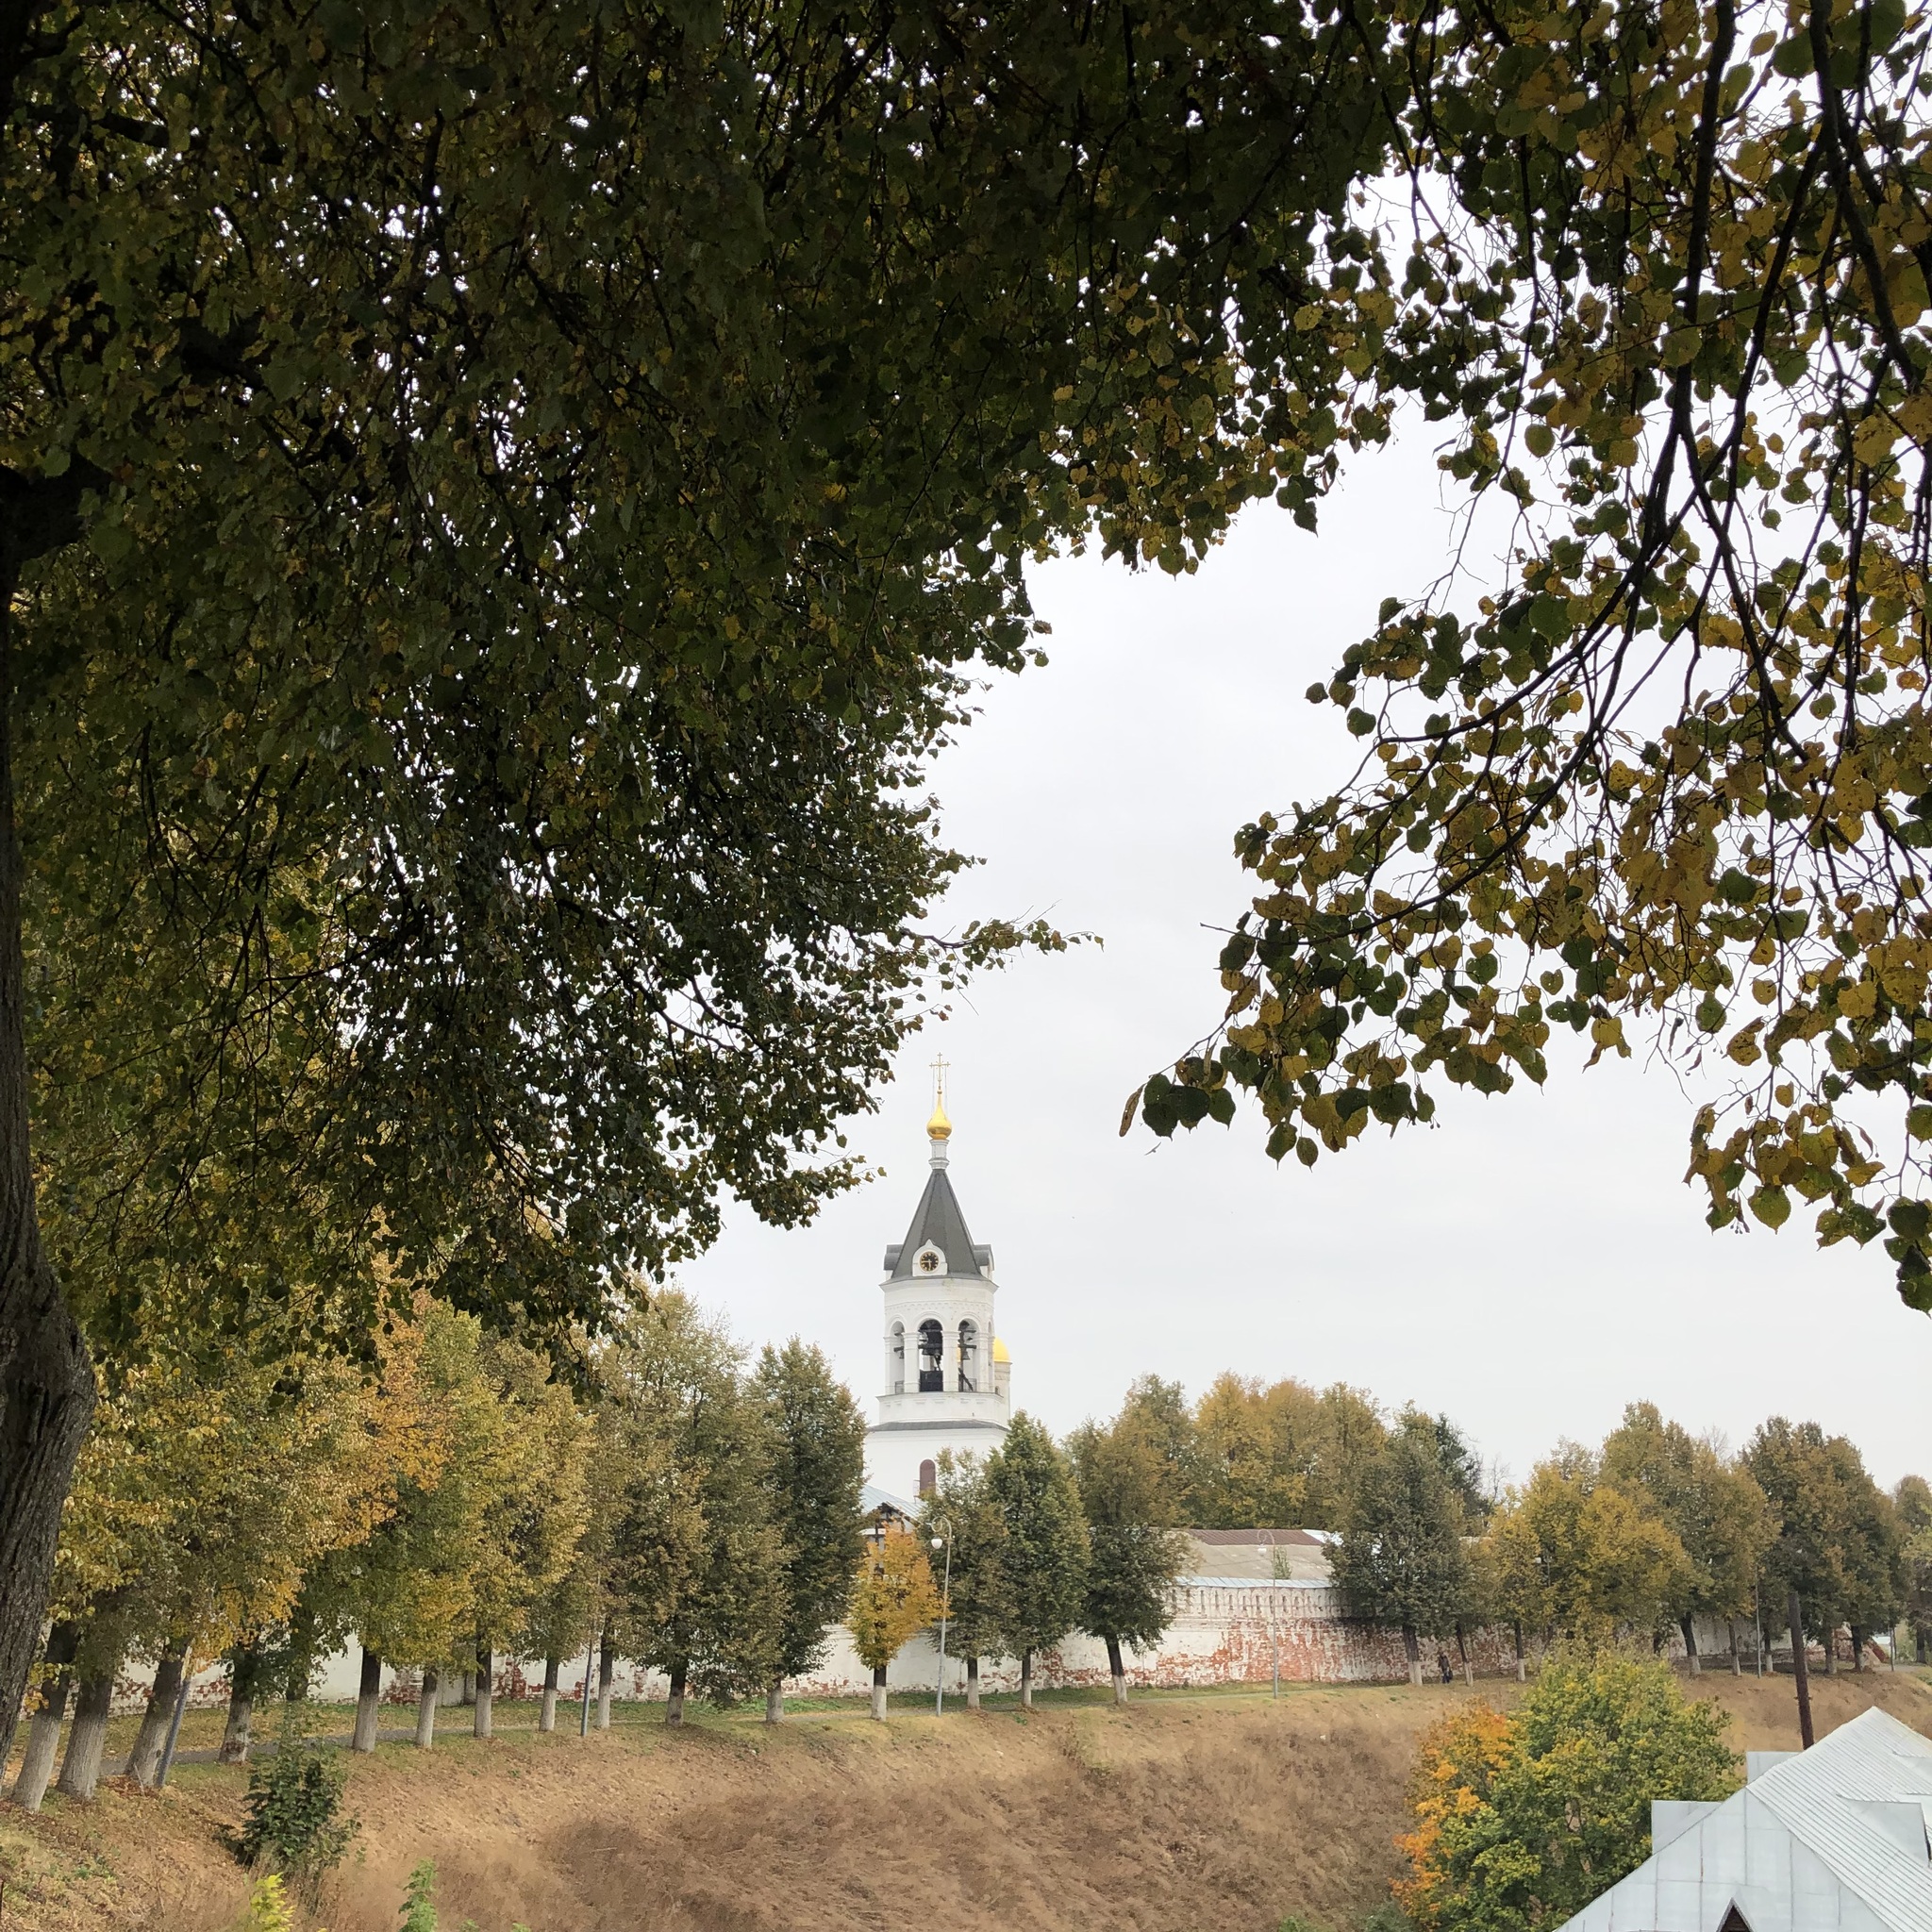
(1179, 1813)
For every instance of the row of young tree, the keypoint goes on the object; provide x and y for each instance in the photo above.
(669, 1502)
(1656, 1529)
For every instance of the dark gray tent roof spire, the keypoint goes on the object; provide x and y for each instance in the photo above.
(937, 1221)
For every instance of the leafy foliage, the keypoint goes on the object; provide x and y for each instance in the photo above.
(1520, 1820)
(1045, 1555)
(1663, 274)
(1836, 1538)
(1578, 1554)
(1134, 1555)
(1400, 1559)
(892, 1597)
(293, 1810)
(418, 1899)
(1714, 1509)
(814, 1444)
(962, 1512)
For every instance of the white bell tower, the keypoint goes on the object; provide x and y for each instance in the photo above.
(947, 1372)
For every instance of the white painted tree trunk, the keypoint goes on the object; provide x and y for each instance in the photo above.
(546, 1712)
(425, 1710)
(775, 1705)
(43, 1745)
(368, 1703)
(81, 1770)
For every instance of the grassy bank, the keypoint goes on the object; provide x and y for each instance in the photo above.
(1228, 1809)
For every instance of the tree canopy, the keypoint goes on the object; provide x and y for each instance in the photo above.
(1521, 1820)
(1662, 278)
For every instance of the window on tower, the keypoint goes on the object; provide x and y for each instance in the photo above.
(928, 1476)
(969, 1356)
(932, 1357)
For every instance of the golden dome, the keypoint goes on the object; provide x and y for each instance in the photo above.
(999, 1352)
(939, 1127)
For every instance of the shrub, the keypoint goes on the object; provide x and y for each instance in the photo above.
(293, 1808)
(1521, 1820)
(419, 1901)
(269, 1910)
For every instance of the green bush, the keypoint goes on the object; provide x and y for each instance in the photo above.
(1521, 1819)
(419, 1901)
(294, 1812)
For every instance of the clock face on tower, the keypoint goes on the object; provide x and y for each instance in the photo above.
(929, 1264)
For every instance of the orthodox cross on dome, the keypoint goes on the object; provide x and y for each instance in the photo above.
(939, 1127)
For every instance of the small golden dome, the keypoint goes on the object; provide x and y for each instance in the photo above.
(999, 1352)
(939, 1127)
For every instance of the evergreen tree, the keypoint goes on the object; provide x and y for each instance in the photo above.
(814, 1444)
(1045, 1555)
(1400, 1559)
(970, 1563)
(1134, 1555)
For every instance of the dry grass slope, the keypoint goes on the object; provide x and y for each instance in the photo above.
(1182, 1812)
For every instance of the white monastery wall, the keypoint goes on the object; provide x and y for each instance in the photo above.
(1227, 1630)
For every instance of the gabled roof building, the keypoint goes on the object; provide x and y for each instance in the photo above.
(1830, 1839)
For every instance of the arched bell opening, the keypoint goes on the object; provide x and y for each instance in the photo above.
(895, 1360)
(932, 1357)
(969, 1356)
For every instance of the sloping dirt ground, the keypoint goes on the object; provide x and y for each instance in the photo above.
(1183, 1812)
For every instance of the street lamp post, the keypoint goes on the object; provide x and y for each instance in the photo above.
(946, 1541)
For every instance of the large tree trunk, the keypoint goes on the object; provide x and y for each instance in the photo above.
(1522, 1665)
(425, 1710)
(1117, 1668)
(1025, 1680)
(43, 1735)
(1801, 1667)
(1737, 1667)
(673, 1705)
(486, 1687)
(1688, 1627)
(607, 1677)
(144, 1760)
(1858, 1648)
(368, 1703)
(1462, 1650)
(547, 1711)
(878, 1692)
(245, 1676)
(1412, 1648)
(1831, 1650)
(46, 1381)
(973, 1683)
(81, 1770)
(775, 1705)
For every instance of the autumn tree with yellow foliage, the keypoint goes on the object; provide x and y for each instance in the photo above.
(1572, 1554)
(893, 1598)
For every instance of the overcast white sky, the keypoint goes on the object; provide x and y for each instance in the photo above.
(1530, 1264)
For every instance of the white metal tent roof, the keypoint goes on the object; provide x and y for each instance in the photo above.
(1837, 1839)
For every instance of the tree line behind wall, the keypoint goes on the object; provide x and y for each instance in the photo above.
(1656, 1529)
